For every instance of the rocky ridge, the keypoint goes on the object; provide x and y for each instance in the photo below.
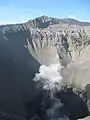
(45, 21)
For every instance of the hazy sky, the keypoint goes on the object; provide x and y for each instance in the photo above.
(16, 11)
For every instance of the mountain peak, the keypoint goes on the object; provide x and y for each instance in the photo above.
(44, 21)
(43, 16)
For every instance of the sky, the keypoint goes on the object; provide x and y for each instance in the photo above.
(19, 11)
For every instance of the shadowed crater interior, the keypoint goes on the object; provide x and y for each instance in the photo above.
(74, 106)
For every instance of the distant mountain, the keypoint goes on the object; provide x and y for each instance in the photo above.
(45, 21)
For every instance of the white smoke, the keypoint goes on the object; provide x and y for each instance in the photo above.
(51, 80)
(49, 76)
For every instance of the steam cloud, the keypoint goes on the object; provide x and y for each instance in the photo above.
(50, 80)
(49, 77)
